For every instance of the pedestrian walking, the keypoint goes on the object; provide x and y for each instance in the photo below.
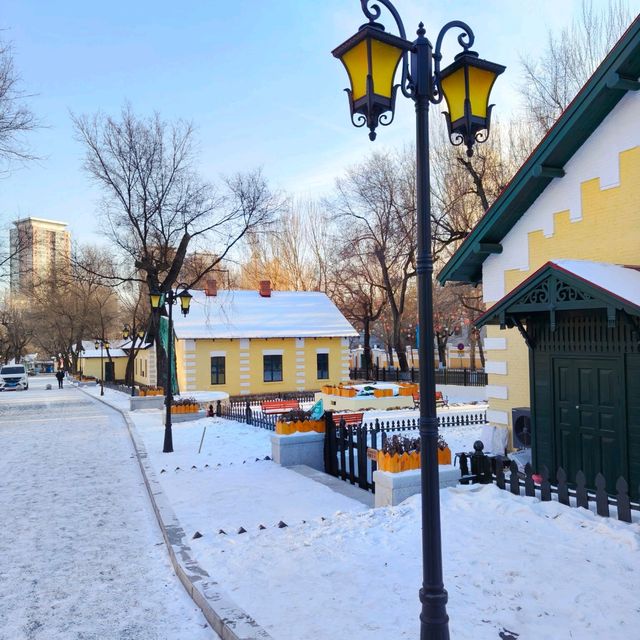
(60, 377)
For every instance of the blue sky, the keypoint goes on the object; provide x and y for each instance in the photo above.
(256, 78)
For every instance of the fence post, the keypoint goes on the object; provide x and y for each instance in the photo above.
(247, 413)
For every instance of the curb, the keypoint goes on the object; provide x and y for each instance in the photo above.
(225, 617)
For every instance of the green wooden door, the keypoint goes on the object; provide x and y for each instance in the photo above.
(590, 433)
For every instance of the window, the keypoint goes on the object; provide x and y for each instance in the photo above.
(217, 370)
(322, 360)
(272, 368)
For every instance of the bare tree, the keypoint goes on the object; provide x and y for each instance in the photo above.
(292, 253)
(375, 206)
(16, 118)
(16, 330)
(75, 305)
(356, 291)
(552, 79)
(156, 207)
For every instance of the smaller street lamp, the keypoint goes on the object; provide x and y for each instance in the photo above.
(100, 344)
(161, 300)
(127, 332)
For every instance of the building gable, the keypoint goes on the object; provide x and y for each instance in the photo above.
(615, 77)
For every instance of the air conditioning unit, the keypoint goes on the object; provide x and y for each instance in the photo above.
(521, 420)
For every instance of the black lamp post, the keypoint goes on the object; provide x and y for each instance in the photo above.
(167, 300)
(127, 332)
(101, 343)
(371, 58)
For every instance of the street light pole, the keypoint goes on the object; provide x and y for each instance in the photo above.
(101, 343)
(371, 58)
(168, 435)
(159, 300)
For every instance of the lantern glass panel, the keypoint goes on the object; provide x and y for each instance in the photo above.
(356, 64)
(185, 301)
(384, 60)
(480, 84)
(453, 87)
(155, 300)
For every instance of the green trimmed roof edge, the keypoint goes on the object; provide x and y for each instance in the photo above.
(579, 120)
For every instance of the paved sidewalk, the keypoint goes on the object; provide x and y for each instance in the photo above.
(83, 557)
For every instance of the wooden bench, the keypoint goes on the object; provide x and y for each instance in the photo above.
(279, 406)
(441, 401)
(349, 418)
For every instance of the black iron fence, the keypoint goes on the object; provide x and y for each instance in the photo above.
(460, 377)
(256, 400)
(119, 386)
(345, 446)
(247, 412)
(489, 469)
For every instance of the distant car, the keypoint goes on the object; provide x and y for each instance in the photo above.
(13, 376)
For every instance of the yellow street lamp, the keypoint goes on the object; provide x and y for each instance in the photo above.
(371, 58)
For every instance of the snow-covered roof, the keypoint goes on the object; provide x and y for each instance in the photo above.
(622, 282)
(95, 353)
(245, 314)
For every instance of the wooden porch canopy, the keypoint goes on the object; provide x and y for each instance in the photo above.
(568, 285)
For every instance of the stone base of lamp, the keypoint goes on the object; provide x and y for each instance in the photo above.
(299, 448)
(394, 488)
(136, 403)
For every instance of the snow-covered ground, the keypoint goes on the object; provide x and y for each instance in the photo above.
(339, 570)
(82, 554)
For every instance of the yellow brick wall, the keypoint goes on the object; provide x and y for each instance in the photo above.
(244, 364)
(609, 231)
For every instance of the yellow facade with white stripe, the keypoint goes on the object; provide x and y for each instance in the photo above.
(244, 364)
(605, 227)
(261, 342)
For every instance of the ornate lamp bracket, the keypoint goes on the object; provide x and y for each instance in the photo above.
(465, 40)
(372, 11)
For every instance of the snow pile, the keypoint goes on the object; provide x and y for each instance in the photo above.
(538, 570)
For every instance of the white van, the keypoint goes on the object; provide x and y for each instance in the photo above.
(13, 376)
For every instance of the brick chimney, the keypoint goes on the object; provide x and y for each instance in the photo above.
(265, 288)
(211, 288)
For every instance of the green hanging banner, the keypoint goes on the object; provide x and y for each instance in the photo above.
(163, 332)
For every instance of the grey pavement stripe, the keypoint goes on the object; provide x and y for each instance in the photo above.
(52, 419)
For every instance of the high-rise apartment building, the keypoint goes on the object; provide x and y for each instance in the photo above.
(39, 249)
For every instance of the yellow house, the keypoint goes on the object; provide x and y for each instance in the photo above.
(113, 364)
(259, 342)
(558, 255)
(144, 366)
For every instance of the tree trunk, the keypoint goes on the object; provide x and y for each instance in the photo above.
(481, 350)
(441, 339)
(367, 364)
(472, 352)
(401, 352)
(129, 375)
(161, 364)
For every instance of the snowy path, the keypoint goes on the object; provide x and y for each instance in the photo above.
(82, 555)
